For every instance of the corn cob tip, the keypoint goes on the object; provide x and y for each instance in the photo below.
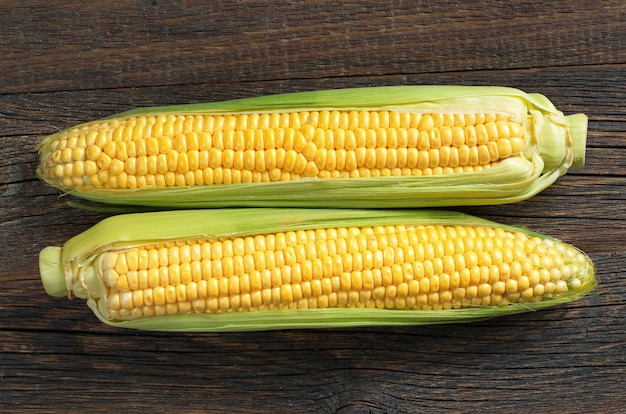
(52, 272)
(577, 126)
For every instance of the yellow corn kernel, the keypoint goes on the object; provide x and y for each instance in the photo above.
(314, 143)
(399, 267)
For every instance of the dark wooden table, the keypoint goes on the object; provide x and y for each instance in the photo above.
(76, 61)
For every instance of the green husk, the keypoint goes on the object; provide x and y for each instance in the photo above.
(71, 269)
(557, 144)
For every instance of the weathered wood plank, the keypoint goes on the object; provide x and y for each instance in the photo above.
(44, 113)
(92, 45)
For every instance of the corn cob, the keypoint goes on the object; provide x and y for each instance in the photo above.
(407, 146)
(260, 269)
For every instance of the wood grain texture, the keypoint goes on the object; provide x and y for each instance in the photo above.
(78, 45)
(75, 61)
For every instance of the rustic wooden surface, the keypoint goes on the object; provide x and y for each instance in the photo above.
(76, 61)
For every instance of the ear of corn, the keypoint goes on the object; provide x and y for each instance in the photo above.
(261, 269)
(406, 146)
